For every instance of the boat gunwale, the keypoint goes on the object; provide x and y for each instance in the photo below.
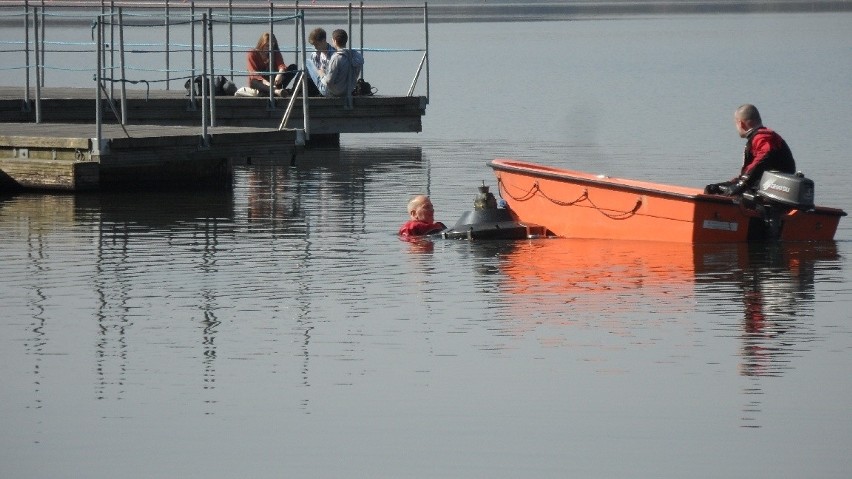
(535, 170)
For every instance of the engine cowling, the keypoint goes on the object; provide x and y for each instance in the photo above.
(794, 191)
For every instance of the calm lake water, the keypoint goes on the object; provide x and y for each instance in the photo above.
(283, 330)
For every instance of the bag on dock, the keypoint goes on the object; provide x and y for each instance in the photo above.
(225, 87)
(247, 91)
(363, 88)
(222, 86)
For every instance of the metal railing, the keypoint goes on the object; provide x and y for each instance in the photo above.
(177, 20)
(207, 72)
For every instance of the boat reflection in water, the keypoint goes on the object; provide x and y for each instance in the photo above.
(763, 293)
(617, 304)
(776, 284)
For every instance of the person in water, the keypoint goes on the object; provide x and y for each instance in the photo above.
(422, 218)
(765, 150)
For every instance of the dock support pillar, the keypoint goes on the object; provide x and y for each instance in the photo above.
(100, 146)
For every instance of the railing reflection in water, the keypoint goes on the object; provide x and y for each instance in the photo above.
(202, 251)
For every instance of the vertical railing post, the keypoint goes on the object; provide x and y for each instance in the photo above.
(98, 120)
(41, 61)
(192, 56)
(271, 57)
(231, 36)
(204, 81)
(26, 55)
(212, 89)
(112, 51)
(103, 52)
(296, 54)
(347, 100)
(121, 59)
(167, 24)
(361, 41)
(36, 46)
(305, 115)
(426, 27)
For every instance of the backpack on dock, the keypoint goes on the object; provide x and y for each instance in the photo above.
(221, 86)
(363, 88)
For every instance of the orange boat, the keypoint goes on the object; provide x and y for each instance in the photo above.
(574, 204)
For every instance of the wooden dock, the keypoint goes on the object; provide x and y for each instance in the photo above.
(103, 136)
(163, 145)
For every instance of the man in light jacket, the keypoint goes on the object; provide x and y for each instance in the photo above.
(343, 70)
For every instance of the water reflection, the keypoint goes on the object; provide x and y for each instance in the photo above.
(595, 276)
(775, 283)
(135, 235)
(769, 287)
(156, 260)
(263, 253)
(327, 190)
(777, 287)
(762, 294)
(333, 180)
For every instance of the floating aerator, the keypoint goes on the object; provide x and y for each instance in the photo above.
(488, 221)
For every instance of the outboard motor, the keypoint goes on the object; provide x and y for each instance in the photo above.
(488, 221)
(776, 195)
(794, 191)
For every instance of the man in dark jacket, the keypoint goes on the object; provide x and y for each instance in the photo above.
(765, 150)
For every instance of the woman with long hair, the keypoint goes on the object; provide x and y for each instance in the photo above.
(262, 72)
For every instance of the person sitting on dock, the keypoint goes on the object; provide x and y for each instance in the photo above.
(765, 150)
(422, 221)
(260, 76)
(344, 67)
(320, 57)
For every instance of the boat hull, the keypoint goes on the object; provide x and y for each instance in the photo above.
(574, 204)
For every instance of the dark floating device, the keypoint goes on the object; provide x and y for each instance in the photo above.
(488, 221)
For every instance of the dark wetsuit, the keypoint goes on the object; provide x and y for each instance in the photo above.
(765, 150)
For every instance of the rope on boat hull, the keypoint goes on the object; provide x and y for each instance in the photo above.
(584, 197)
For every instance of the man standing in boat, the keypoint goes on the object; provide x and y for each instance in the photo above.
(765, 150)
